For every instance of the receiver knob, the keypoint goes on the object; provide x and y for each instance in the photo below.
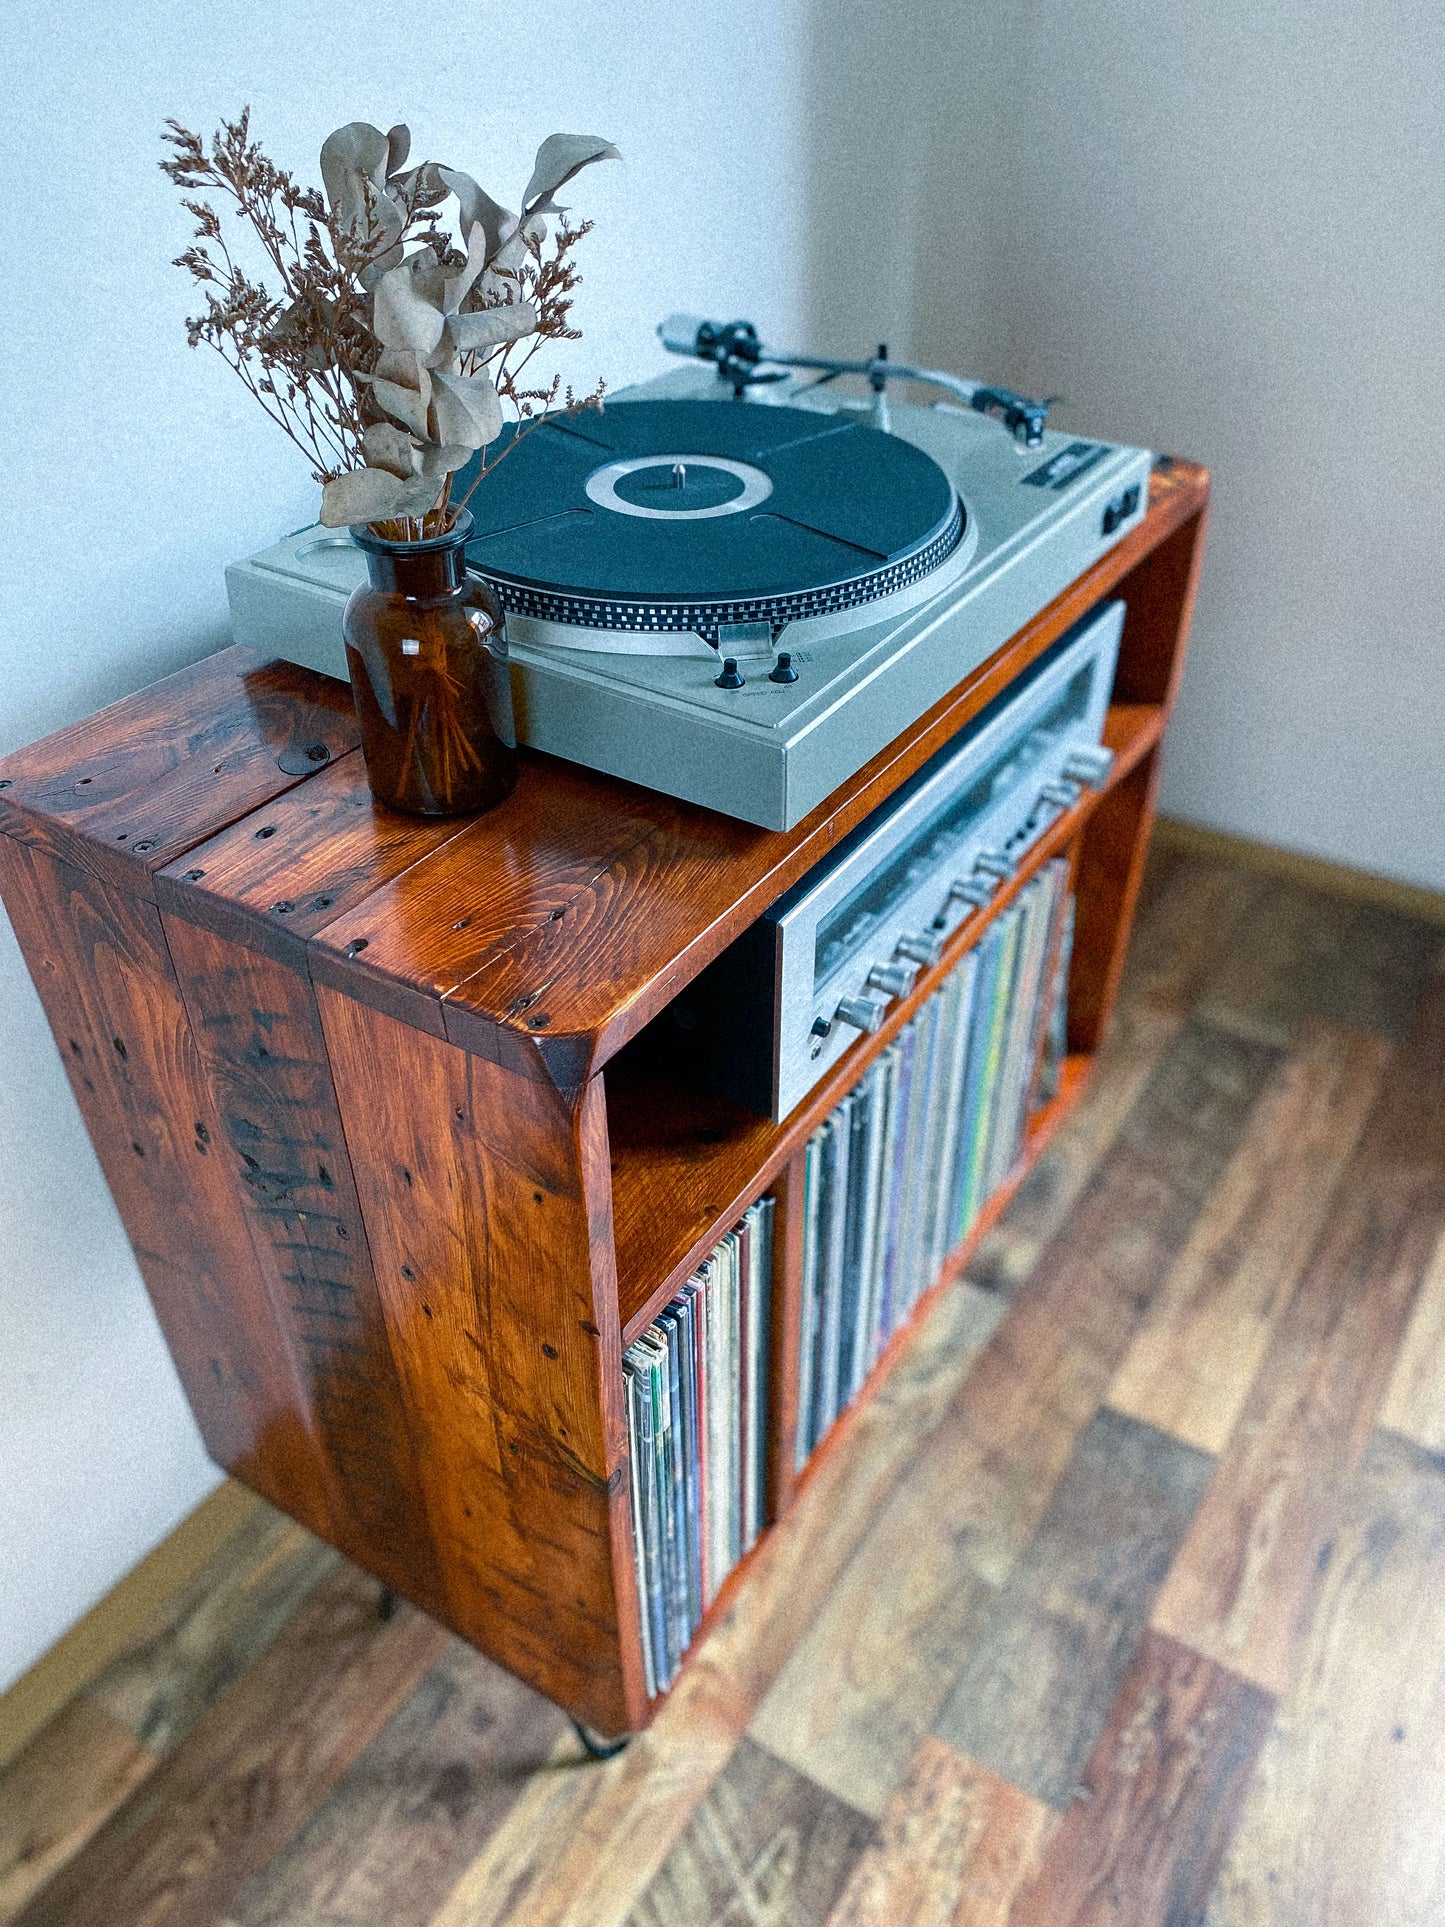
(1090, 763)
(923, 949)
(1063, 792)
(893, 979)
(863, 1013)
(993, 863)
(977, 890)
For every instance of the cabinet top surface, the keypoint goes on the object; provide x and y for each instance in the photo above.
(543, 934)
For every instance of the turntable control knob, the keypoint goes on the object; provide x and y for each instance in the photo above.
(863, 1013)
(976, 890)
(1064, 793)
(924, 949)
(1090, 763)
(893, 979)
(993, 863)
(729, 679)
(783, 670)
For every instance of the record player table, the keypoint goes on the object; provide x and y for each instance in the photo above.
(358, 1084)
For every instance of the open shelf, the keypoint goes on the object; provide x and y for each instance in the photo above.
(1073, 1075)
(685, 1165)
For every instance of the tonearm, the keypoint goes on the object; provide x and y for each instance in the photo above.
(741, 358)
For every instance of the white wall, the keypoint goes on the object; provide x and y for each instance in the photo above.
(138, 469)
(1220, 230)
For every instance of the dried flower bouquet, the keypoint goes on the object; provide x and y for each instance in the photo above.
(410, 304)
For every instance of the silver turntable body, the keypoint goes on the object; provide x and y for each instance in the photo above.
(820, 679)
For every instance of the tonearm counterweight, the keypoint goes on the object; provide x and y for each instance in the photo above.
(741, 358)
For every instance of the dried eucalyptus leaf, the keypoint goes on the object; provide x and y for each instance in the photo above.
(419, 494)
(444, 357)
(423, 186)
(396, 364)
(361, 495)
(488, 327)
(457, 287)
(465, 410)
(387, 446)
(444, 458)
(401, 316)
(477, 208)
(409, 405)
(398, 146)
(353, 160)
(559, 158)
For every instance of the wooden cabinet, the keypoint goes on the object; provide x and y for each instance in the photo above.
(358, 1084)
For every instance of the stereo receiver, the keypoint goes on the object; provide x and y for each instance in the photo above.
(771, 1016)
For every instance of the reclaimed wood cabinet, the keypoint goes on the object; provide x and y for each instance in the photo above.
(360, 1087)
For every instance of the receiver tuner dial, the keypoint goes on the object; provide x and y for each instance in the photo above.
(893, 979)
(863, 1013)
(923, 949)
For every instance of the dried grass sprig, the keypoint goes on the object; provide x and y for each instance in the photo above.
(408, 305)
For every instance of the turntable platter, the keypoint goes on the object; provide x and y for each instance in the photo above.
(684, 515)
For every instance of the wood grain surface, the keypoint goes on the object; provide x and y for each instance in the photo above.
(122, 792)
(1160, 1795)
(163, 1683)
(219, 1809)
(99, 960)
(391, 1837)
(954, 1847)
(1042, 1669)
(1415, 1398)
(1248, 1570)
(1195, 1356)
(485, 1209)
(59, 1792)
(1342, 1825)
(862, 1686)
(767, 1844)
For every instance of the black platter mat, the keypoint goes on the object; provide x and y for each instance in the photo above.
(850, 514)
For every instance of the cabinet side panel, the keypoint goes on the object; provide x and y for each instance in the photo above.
(1110, 868)
(474, 1186)
(99, 961)
(259, 1036)
(1158, 597)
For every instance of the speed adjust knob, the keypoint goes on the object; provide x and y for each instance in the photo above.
(863, 1013)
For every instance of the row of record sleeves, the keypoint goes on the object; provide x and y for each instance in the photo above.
(898, 1173)
(696, 1386)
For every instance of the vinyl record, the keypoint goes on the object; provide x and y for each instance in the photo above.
(685, 515)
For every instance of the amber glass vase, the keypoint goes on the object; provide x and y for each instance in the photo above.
(429, 673)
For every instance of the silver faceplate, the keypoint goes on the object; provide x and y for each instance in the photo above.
(1013, 819)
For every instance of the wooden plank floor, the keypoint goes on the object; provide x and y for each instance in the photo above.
(1126, 1602)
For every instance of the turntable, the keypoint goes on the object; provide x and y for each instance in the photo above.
(737, 588)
